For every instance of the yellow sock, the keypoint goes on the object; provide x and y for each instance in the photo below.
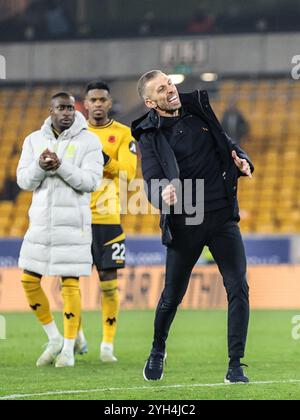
(72, 307)
(110, 309)
(37, 299)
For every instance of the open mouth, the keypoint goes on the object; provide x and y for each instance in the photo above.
(173, 100)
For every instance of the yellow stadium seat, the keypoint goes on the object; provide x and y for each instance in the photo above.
(6, 207)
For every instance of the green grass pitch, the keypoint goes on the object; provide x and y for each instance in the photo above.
(197, 358)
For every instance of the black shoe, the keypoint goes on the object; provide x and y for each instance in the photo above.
(236, 375)
(154, 368)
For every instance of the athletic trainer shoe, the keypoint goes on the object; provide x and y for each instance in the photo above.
(54, 347)
(154, 368)
(81, 347)
(107, 353)
(236, 375)
(65, 359)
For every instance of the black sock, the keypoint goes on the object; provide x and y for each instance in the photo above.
(235, 362)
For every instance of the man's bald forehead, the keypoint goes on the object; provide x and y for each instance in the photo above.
(62, 97)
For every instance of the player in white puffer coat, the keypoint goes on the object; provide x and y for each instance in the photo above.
(62, 164)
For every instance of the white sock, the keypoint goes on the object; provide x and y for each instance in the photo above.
(69, 345)
(52, 331)
(107, 346)
(81, 336)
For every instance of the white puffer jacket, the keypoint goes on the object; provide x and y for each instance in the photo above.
(58, 242)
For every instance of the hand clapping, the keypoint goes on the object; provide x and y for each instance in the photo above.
(49, 161)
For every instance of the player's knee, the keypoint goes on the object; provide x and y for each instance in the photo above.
(108, 275)
(31, 275)
(31, 281)
(109, 287)
(70, 287)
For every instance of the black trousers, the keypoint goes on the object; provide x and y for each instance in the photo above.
(222, 235)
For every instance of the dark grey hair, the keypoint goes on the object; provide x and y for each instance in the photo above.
(146, 78)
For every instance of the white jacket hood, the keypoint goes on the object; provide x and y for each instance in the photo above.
(79, 125)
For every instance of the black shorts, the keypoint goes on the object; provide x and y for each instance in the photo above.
(108, 251)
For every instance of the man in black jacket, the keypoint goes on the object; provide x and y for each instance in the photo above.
(181, 139)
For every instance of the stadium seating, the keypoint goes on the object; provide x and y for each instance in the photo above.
(270, 202)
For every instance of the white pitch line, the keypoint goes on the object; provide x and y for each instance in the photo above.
(140, 388)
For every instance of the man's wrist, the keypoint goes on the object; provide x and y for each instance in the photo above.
(39, 165)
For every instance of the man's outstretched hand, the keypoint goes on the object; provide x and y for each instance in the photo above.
(242, 164)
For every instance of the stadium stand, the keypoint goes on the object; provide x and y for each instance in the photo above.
(271, 106)
(33, 19)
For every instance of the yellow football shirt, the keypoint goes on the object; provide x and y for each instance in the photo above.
(119, 145)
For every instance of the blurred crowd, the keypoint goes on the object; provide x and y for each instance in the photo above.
(65, 19)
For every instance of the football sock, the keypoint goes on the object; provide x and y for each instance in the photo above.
(72, 307)
(52, 331)
(68, 345)
(36, 297)
(110, 309)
